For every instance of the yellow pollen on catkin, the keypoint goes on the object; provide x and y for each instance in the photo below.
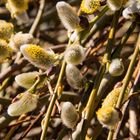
(108, 116)
(112, 97)
(17, 6)
(5, 51)
(38, 56)
(90, 6)
(6, 30)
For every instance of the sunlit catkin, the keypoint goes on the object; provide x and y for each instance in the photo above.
(115, 5)
(20, 39)
(74, 54)
(6, 30)
(112, 98)
(67, 16)
(26, 102)
(18, 9)
(90, 6)
(116, 67)
(5, 51)
(108, 116)
(38, 56)
(74, 77)
(69, 115)
(26, 80)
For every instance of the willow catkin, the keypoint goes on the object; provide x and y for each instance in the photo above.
(108, 116)
(20, 39)
(90, 6)
(5, 51)
(26, 80)
(18, 9)
(6, 30)
(38, 56)
(67, 16)
(112, 98)
(74, 54)
(131, 10)
(74, 77)
(116, 67)
(26, 102)
(69, 115)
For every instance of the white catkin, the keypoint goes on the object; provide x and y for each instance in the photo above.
(20, 39)
(67, 16)
(26, 103)
(69, 115)
(74, 54)
(26, 80)
(116, 67)
(74, 77)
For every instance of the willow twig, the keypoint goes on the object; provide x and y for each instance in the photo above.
(126, 80)
(38, 17)
(89, 110)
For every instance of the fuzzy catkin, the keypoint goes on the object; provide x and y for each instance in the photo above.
(18, 9)
(74, 77)
(20, 39)
(67, 16)
(90, 6)
(26, 80)
(6, 30)
(69, 115)
(38, 56)
(108, 116)
(17, 6)
(27, 102)
(74, 54)
(112, 98)
(116, 67)
(5, 51)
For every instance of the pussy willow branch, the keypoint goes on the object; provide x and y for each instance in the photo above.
(123, 40)
(137, 79)
(38, 17)
(126, 80)
(51, 105)
(89, 109)
(53, 100)
(108, 78)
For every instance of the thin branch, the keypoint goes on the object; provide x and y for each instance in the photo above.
(126, 80)
(38, 17)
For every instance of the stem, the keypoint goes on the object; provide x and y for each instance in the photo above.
(87, 31)
(51, 105)
(126, 80)
(90, 107)
(123, 40)
(111, 37)
(38, 17)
